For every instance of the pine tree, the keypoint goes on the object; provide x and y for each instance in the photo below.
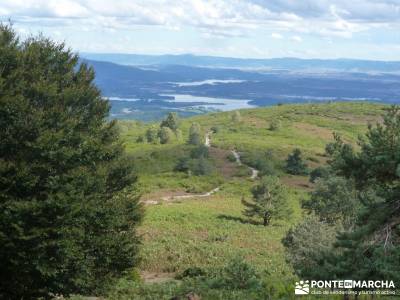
(334, 200)
(172, 121)
(270, 201)
(372, 249)
(295, 164)
(67, 211)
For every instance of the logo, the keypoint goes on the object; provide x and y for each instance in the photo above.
(302, 288)
(344, 287)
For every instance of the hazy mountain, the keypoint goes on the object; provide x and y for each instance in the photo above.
(228, 62)
(149, 92)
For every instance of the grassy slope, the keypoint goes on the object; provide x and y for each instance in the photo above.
(207, 232)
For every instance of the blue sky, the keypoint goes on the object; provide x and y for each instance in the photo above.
(366, 29)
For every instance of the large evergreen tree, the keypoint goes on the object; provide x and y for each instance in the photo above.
(67, 217)
(372, 249)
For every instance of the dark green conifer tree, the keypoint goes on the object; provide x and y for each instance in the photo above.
(67, 217)
(295, 164)
(372, 249)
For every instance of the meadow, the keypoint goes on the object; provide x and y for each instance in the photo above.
(208, 232)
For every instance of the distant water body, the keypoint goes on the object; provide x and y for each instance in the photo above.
(208, 81)
(211, 103)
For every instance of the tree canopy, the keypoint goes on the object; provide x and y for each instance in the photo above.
(67, 214)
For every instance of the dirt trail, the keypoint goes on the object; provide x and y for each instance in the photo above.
(254, 172)
(207, 143)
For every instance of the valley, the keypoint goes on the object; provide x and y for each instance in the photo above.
(182, 231)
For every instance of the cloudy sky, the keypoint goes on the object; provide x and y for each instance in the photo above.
(368, 29)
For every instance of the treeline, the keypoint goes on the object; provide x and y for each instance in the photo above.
(169, 131)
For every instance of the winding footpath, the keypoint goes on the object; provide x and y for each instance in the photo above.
(207, 143)
(254, 172)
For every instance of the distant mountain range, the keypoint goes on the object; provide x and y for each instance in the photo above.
(149, 91)
(293, 64)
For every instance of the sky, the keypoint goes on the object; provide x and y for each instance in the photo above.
(363, 29)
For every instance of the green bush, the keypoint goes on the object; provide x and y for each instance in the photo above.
(231, 157)
(165, 135)
(319, 173)
(200, 151)
(195, 137)
(265, 162)
(237, 280)
(201, 166)
(152, 135)
(215, 129)
(275, 125)
(192, 272)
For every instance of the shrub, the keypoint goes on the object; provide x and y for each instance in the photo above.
(152, 135)
(192, 272)
(195, 135)
(320, 172)
(238, 275)
(275, 125)
(165, 135)
(140, 139)
(309, 243)
(200, 151)
(201, 166)
(178, 134)
(236, 117)
(215, 129)
(231, 157)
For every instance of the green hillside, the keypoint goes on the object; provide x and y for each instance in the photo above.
(181, 233)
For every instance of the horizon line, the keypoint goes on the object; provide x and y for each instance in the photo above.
(233, 57)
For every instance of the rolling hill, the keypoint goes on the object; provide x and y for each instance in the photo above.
(185, 229)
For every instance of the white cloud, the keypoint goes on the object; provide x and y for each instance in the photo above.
(297, 38)
(336, 18)
(277, 36)
(219, 21)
